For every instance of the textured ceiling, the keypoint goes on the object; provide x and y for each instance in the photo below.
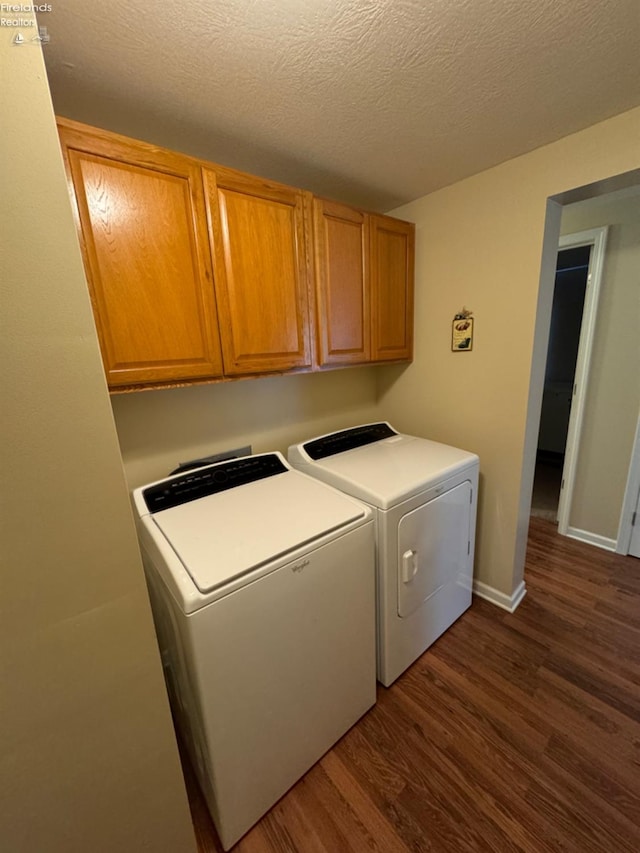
(375, 102)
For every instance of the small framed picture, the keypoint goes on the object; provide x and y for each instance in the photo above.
(462, 334)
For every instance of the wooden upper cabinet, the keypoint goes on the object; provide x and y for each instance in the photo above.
(198, 272)
(142, 222)
(342, 283)
(392, 261)
(257, 231)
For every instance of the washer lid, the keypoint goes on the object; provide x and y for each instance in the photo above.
(389, 471)
(224, 535)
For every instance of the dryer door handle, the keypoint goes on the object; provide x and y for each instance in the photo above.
(409, 565)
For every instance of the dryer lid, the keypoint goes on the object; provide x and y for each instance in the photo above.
(389, 471)
(224, 535)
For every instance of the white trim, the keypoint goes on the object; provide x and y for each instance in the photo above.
(591, 538)
(596, 237)
(506, 602)
(630, 497)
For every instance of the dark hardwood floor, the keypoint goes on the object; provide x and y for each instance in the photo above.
(514, 732)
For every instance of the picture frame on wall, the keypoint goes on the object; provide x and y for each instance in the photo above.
(462, 334)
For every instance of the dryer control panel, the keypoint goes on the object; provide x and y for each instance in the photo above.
(347, 439)
(210, 480)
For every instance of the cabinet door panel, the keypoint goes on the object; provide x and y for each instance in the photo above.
(260, 273)
(342, 292)
(392, 258)
(148, 267)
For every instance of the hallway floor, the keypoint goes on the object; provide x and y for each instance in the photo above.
(546, 489)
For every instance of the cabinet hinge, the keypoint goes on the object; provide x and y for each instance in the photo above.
(471, 497)
(468, 547)
(633, 519)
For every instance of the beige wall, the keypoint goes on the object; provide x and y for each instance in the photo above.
(479, 244)
(613, 397)
(88, 760)
(159, 429)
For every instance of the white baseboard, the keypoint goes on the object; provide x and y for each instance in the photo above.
(592, 538)
(506, 602)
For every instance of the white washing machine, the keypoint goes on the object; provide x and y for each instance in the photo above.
(262, 584)
(424, 497)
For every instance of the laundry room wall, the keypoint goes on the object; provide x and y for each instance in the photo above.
(479, 244)
(88, 757)
(158, 429)
(612, 402)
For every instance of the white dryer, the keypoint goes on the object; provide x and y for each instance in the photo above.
(424, 497)
(262, 584)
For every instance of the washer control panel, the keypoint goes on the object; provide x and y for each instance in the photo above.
(212, 479)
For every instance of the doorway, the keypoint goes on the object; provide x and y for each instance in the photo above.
(594, 240)
(572, 272)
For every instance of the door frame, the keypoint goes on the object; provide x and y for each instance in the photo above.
(597, 238)
(630, 500)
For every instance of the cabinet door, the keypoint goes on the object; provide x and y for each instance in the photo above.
(342, 285)
(261, 273)
(143, 231)
(392, 259)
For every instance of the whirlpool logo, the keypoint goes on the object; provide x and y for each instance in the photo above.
(299, 567)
